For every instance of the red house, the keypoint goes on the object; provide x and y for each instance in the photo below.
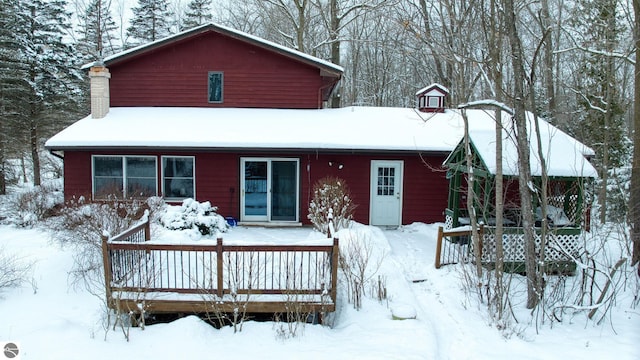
(222, 116)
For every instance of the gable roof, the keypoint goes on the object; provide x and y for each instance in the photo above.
(435, 86)
(326, 68)
(564, 155)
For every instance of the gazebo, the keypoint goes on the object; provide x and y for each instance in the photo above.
(567, 172)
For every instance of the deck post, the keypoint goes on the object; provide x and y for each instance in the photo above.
(106, 260)
(219, 260)
(439, 247)
(147, 231)
(335, 252)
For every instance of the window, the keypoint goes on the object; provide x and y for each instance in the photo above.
(434, 101)
(216, 82)
(386, 181)
(178, 178)
(124, 176)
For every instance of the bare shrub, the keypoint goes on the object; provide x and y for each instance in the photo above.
(331, 193)
(241, 273)
(360, 264)
(14, 271)
(292, 321)
(37, 203)
(81, 226)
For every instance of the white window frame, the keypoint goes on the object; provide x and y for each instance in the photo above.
(124, 173)
(193, 158)
(433, 101)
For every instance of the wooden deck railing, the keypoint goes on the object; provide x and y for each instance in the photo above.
(458, 247)
(140, 267)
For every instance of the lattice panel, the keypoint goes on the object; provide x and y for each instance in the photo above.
(559, 247)
(448, 222)
(564, 195)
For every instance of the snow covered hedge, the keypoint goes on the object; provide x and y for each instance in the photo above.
(192, 215)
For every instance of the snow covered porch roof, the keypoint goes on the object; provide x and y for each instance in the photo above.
(563, 155)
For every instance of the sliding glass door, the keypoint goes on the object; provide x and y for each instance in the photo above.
(269, 189)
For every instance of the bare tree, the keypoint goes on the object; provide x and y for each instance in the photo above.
(634, 207)
(534, 283)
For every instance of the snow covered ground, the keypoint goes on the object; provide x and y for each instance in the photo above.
(49, 319)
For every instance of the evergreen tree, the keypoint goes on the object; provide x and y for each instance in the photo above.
(96, 30)
(198, 13)
(14, 86)
(601, 123)
(54, 85)
(150, 21)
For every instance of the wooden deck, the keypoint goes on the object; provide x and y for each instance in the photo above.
(144, 275)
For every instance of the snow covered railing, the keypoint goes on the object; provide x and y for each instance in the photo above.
(219, 271)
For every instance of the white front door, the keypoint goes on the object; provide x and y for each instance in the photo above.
(386, 192)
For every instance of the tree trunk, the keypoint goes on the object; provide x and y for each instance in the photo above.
(524, 167)
(495, 48)
(35, 158)
(634, 208)
(471, 196)
(548, 77)
(335, 46)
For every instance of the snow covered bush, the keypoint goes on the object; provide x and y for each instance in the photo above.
(193, 215)
(331, 193)
(37, 203)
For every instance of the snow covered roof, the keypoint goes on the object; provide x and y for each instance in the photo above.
(433, 86)
(568, 158)
(351, 128)
(326, 65)
(374, 129)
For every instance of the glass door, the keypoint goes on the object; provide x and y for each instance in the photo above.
(269, 189)
(284, 195)
(254, 191)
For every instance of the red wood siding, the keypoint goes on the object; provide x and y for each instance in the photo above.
(218, 180)
(77, 175)
(177, 75)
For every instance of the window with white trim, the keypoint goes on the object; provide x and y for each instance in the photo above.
(124, 176)
(178, 177)
(434, 101)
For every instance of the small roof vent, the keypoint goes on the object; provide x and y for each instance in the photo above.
(431, 98)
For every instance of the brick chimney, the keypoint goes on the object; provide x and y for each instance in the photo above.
(99, 76)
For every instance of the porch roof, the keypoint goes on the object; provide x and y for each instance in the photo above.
(564, 155)
(350, 128)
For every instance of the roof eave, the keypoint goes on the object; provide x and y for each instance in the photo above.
(325, 68)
